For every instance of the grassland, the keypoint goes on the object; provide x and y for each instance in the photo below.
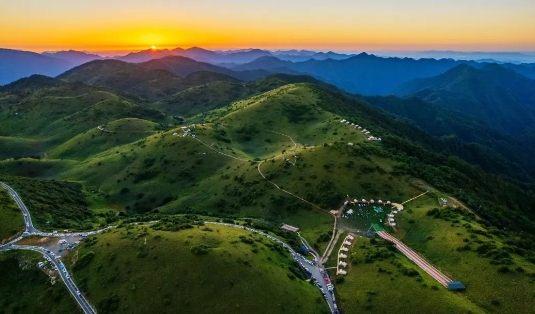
(498, 279)
(26, 289)
(113, 134)
(138, 270)
(381, 285)
(11, 221)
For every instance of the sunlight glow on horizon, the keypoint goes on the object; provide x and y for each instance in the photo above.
(340, 25)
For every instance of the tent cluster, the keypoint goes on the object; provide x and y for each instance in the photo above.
(344, 248)
(361, 129)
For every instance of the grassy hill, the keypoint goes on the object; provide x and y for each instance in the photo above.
(135, 270)
(36, 120)
(183, 66)
(110, 135)
(11, 221)
(26, 289)
(202, 98)
(377, 282)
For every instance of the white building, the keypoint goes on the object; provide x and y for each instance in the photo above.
(342, 255)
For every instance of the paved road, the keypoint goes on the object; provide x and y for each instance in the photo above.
(423, 264)
(64, 274)
(27, 218)
(313, 268)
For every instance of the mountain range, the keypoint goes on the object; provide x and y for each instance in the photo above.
(174, 140)
(364, 74)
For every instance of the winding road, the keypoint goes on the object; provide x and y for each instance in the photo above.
(313, 268)
(62, 271)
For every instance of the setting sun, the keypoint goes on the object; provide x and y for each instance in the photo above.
(153, 47)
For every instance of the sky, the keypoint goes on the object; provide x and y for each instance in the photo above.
(338, 25)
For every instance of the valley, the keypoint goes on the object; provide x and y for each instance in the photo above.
(180, 200)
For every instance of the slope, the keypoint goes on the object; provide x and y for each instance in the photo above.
(16, 64)
(104, 137)
(217, 94)
(183, 66)
(493, 150)
(501, 98)
(113, 74)
(221, 270)
(26, 289)
(147, 84)
(11, 221)
(35, 120)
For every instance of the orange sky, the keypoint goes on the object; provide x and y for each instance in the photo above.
(99, 25)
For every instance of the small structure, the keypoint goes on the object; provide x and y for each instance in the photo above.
(372, 201)
(393, 224)
(364, 200)
(343, 248)
(347, 243)
(343, 264)
(350, 212)
(350, 237)
(343, 120)
(342, 255)
(456, 286)
(346, 202)
(350, 144)
(388, 203)
(40, 264)
(289, 228)
(341, 272)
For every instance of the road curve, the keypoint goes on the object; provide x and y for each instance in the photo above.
(315, 269)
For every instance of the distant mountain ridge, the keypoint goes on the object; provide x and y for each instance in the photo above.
(362, 74)
(16, 64)
(75, 58)
(500, 97)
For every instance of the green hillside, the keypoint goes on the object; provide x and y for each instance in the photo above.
(501, 98)
(33, 122)
(470, 139)
(26, 289)
(212, 269)
(54, 204)
(11, 221)
(109, 135)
